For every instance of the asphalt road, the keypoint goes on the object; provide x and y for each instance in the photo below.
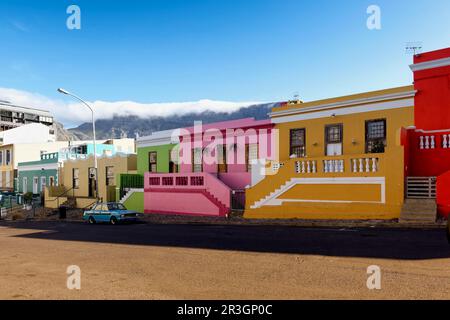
(163, 261)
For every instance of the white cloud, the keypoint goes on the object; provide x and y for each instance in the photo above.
(73, 113)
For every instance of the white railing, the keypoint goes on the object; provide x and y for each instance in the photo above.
(446, 141)
(306, 166)
(427, 142)
(361, 165)
(333, 166)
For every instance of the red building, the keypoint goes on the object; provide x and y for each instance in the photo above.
(427, 145)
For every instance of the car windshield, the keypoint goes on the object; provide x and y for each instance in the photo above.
(116, 206)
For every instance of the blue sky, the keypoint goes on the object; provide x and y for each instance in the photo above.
(228, 50)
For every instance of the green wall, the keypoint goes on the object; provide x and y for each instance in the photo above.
(163, 158)
(35, 173)
(135, 202)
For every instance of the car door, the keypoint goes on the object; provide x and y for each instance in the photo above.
(104, 214)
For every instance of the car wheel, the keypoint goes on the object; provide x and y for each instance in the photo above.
(91, 220)
(114, 221)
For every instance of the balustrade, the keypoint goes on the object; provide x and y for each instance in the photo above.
(306, 166)
(365, 165)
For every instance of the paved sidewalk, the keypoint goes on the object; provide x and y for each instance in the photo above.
(76, 216)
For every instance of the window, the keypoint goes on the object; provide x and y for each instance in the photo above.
(24, 185)
(252, 155)
(116, 206)
(110, 176)
(197, 156)
(333, 139)
(35, 185)
(51, 181)
(8, 157)
(43, 183)
(375, 136)
(222, 158)
(75, 178)
(103, 207)
(153, 162)
(297, 143)
(1, 158)
(174, 160)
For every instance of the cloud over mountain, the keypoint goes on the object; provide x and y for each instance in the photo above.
(71, 113)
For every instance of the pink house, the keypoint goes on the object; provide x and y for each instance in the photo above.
(215, 163)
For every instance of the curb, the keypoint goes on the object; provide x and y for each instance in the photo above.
(268, 223)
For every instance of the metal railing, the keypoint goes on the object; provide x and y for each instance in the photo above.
(421, 187)
(62, 195)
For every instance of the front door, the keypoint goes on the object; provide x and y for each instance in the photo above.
(25, 185)
(222, 158)
(35, 185)
(333, 139)
(91, 180)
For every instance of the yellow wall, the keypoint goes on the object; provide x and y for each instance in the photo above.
(354, 128)
(361, 200)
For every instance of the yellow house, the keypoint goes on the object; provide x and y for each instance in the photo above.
(78, 180)
(339, 158)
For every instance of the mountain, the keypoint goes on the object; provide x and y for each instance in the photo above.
(121, 127)
(63, 134)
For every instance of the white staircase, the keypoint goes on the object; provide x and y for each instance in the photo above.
(129, 193)
(273, 195)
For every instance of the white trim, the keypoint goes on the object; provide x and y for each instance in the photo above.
(363, 101)
(406, 103)
(430, 64)
(159, 138)
(432, 131)
(131, 192)
(36, 167)
(272, 199)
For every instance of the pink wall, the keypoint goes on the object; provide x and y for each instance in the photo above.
(182, 202)
(236, 180)
(232, 165)
(190, 193)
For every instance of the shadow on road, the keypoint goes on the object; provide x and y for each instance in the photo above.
(408, 244)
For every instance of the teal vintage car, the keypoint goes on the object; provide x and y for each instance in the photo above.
(111, 212)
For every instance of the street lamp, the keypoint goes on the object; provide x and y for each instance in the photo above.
(61, 90)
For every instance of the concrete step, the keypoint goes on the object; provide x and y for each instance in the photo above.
(419, 211)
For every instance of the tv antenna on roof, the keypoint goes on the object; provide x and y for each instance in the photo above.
(414, 48)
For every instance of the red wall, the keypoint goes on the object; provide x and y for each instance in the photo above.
(431, 114)
(443, 194)
(432, 101)
(426, 162)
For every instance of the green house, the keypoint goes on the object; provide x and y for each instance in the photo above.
(34, 176)
(154, 154)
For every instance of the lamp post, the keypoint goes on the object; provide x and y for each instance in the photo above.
(60, 90)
